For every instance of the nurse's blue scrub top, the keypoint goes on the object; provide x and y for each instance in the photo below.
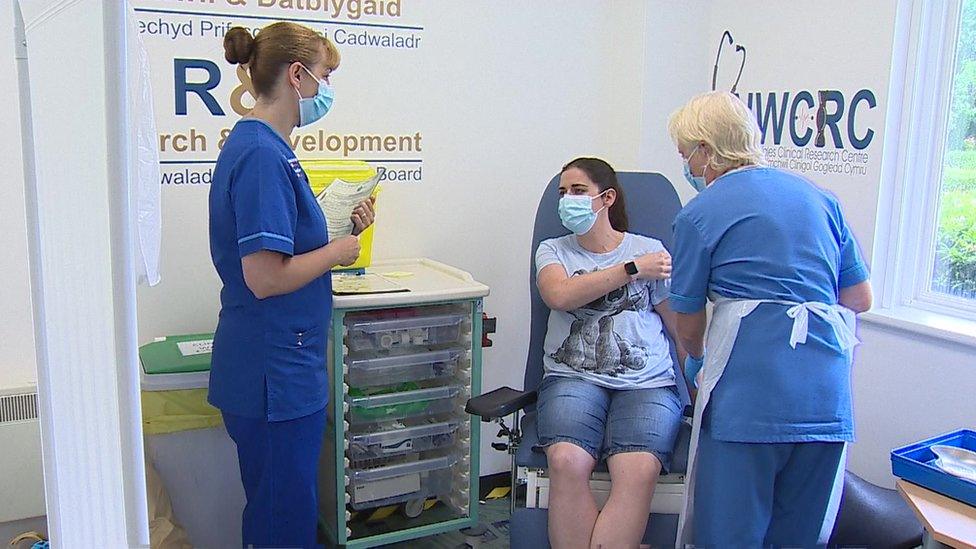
(268, 355)
(765, 233)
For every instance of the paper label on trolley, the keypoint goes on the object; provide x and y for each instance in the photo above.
(386, 488)
(403, 446)
(193, 348)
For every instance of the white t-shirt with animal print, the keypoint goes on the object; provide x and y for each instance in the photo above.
(616, 341)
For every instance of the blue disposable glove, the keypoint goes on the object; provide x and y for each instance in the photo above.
(692, 367)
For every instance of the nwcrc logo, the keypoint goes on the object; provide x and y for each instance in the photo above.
(808, 131)
(825, 119)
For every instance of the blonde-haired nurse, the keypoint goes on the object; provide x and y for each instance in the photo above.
(773, 415)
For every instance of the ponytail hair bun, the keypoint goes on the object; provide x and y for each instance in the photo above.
(238, 46)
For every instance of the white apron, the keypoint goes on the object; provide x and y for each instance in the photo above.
(722, 332)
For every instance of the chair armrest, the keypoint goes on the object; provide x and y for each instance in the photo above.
(501, 402)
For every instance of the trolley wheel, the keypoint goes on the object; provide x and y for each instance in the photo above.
(413, 508)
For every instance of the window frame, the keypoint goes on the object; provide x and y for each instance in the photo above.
(924, 55)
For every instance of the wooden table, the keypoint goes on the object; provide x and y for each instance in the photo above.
(946, 520)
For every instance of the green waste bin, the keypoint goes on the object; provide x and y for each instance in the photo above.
(186, 442)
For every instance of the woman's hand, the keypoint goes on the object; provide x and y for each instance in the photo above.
(363, 216)
(346, 250)
(654, 266)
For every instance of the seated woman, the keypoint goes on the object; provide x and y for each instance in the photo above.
(609, 386)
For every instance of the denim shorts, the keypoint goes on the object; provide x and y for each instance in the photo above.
(605, 421)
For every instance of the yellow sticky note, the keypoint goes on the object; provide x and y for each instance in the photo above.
(398, 274)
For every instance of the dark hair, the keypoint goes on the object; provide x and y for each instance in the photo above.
(274, 47)
(604, 177)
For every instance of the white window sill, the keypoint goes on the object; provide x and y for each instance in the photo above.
(923, 322)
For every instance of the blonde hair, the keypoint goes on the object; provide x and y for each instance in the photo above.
(724, 123)
(274, 48)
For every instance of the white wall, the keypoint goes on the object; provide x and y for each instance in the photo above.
(676, 45)
(17, 367)
(907, 387)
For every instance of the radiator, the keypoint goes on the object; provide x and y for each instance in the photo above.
(21, 473)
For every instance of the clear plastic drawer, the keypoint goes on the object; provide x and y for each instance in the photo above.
(400, 482)
(388, 370)
(403, 440)
(416, 403)
(367, 333)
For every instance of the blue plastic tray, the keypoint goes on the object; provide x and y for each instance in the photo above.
(916, 464)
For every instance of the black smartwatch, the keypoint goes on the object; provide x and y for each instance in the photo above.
(631, 268)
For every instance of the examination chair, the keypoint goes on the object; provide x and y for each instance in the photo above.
(872, 516)
(651, 207)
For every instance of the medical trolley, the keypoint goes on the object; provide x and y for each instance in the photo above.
(400, 456)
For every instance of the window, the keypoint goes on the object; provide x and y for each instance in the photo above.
(924, 267)
(954, 258)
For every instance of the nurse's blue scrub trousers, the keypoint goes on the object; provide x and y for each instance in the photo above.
(766, 494)
(279, 470)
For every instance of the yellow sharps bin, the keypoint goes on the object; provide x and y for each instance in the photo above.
(322, 173)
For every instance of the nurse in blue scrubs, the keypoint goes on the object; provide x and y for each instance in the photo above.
(774, 255)
(270, 246)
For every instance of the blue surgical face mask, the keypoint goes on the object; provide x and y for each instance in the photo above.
(576, 212)
(312, 109)
(697, 181)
